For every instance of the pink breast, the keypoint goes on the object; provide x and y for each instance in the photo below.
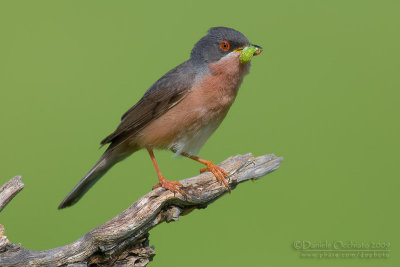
(206, 104)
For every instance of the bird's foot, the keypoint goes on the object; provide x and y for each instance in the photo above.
(218, 172)
(170, 185)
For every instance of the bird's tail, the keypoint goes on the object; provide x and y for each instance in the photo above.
(107, 160)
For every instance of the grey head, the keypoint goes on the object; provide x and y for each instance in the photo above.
(219, 42)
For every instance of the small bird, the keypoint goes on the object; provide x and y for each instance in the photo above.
(181, 110)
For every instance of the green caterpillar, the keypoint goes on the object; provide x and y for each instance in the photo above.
(247, 54)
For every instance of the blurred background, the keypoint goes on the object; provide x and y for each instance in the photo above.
(324, 95)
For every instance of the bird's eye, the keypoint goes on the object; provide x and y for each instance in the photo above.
(224, 45)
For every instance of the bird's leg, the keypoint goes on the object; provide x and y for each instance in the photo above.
(169, 185)
(218, 172)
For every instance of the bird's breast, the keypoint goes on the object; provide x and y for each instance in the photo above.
(188, 125)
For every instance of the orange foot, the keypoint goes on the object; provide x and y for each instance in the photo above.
(169, 185)
(218, 172)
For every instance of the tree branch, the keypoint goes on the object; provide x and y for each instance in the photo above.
(9, 190)
(123, 240)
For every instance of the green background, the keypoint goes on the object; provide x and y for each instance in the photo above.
(324, 95)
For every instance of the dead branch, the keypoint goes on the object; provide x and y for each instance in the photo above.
(123, 240)
(9, 190)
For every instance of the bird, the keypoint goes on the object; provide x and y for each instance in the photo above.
(180, 111)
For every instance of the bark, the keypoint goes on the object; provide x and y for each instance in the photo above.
(9, 190)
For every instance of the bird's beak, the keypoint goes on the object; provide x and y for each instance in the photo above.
(247, 53)
(260, 49)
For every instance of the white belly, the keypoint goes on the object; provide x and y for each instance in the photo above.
(191, 143)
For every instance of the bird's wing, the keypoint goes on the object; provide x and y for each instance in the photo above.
(168, 91)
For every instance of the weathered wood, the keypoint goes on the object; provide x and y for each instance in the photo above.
(9, 190)
(123, 240)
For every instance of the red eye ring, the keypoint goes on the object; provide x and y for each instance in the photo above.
(224, 45)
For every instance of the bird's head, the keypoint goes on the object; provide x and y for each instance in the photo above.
(221, 41)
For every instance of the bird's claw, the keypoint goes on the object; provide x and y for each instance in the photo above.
(218, 172)
(170, 185)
